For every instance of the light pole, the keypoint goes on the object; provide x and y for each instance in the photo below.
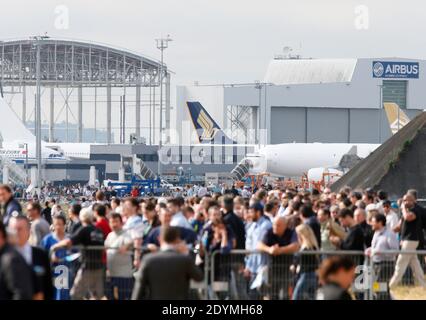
(162, 44)
(381, 86)
(26, 159)
(38, 40)
(258, 86)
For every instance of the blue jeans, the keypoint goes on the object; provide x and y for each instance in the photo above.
(306, 286)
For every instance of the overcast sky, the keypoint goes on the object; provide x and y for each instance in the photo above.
(222, 41)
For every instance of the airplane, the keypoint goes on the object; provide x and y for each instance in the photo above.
(71, 150)
(17, 142)
(17, 139)
(293, 160)
(19, 152)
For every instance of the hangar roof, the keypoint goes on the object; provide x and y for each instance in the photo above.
(304, 71)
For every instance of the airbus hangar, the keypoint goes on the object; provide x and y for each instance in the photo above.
(313, 100)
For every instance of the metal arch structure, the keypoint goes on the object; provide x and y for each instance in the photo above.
(74, 63)
(78, 64)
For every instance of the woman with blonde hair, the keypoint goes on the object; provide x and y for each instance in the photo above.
(306, 285)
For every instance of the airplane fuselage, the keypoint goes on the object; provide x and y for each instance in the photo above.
(296, 159)
(18, 151)
(71, 150)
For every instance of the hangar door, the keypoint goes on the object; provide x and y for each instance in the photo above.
(364, 126)
(395, 91)
(288, 125)
(328, 125)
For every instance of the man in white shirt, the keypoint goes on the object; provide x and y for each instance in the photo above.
(178, 219)
(392, 219)
(130, 215)
(384, 264)
(134, 225)
(119, 259)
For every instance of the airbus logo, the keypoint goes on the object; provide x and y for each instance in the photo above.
(395, 70)
(378, 69)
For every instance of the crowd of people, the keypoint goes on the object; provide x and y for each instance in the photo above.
(266, 243)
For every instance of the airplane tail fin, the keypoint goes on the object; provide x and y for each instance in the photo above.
(11, 127)
(208, 131)
(396, 117)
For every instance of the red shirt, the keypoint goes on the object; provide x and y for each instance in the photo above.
(103, 225)
(135, 193)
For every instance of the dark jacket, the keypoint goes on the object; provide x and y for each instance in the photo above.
(412, 230)
(368, 233)
(421, 212)
(165, 275)
(9, 208)
(42, 272)
(73, 226)
(355, 239)
(237, 226)
(15, 276)
(46, 213)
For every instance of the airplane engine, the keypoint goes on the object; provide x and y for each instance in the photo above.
(258, 164)
(329, 175)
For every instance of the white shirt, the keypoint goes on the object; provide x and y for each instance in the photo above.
(391, 220)
(119, 264)
(179, 220)
(384, 240)
(134, 225)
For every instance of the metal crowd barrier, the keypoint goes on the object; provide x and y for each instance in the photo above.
(97, 272)
(397, 274)
(86, 273)
(282, 277)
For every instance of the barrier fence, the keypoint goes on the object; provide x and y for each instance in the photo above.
(282, 277)
(397, 274)
(109, 273)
